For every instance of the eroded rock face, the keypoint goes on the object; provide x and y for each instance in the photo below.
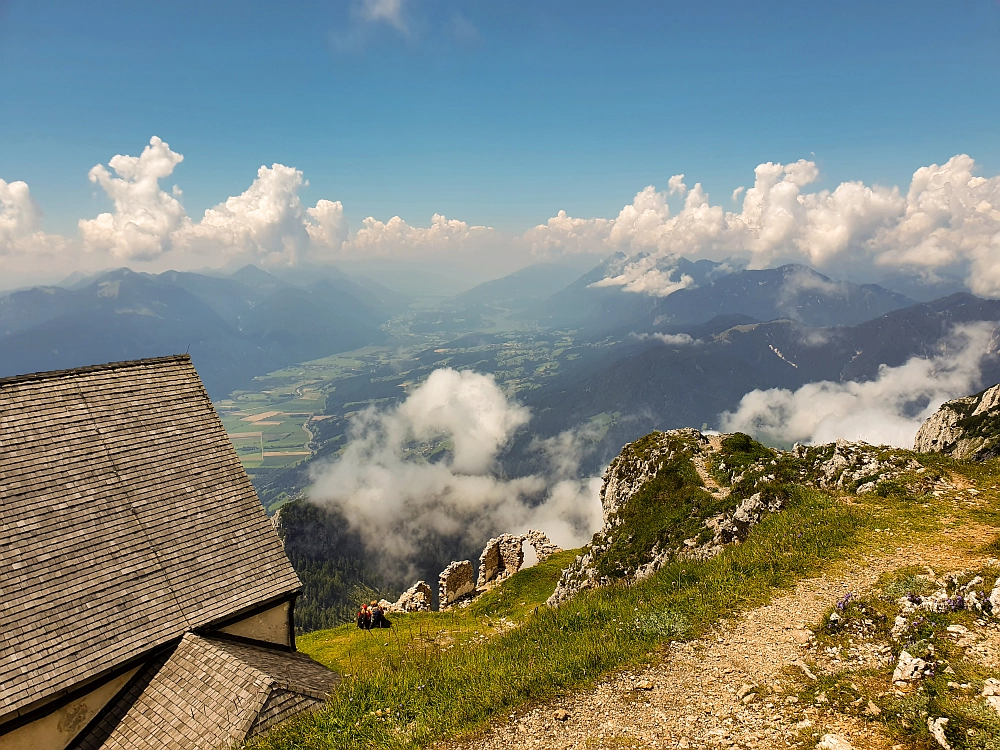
(628, 472)
(625, 476)
(455, 582)
(966, 428)
(502, 557)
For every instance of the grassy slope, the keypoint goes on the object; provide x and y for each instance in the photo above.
(440, 674)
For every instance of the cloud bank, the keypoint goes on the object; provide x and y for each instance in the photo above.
(948, 221)
(425, 471)
(946, 224)
(267, 224)
(885, 411)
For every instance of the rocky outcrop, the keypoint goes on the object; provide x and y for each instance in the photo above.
(417, 598)
(625, 476)
(966, 428)
(738, 483)
(633, 468)
(857, 467)
(454, 583)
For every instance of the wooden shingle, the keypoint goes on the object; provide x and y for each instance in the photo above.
(209, 693)
(126, 520)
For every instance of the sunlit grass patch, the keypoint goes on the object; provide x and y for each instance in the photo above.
(415, 690)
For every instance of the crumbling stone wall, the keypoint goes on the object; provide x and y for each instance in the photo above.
(543, 545)
(501, 558)
(455, 582)
(417, 598)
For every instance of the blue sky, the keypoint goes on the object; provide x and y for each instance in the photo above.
(497, 113)
(501, 115)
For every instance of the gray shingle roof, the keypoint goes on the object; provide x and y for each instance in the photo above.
(209, 693)
(126, 519)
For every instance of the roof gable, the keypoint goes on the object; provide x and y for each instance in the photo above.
(127, 520)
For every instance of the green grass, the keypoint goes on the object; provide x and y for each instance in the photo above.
(438, 676)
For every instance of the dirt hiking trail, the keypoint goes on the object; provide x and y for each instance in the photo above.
(731, 688)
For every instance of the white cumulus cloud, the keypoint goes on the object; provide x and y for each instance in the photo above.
(948, 221)
(144, 216)
(885, 411)
(400, 498)
(267, 223)
(397, 238)
(21, 223)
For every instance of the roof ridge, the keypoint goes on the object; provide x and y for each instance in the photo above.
(27, 377)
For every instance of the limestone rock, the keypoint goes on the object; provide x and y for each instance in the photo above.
(855, 465)
(908, 668)
(541, 543)
(966, 428)
(936, 728)
(749, 512)
(833, 742)
(455, 582)
(501, 558)
(991, 692)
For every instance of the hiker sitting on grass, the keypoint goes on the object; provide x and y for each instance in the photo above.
(379, 620)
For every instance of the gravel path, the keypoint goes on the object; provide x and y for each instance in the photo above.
(698, 696)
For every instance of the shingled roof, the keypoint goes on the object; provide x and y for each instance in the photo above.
(127, 521)
(209, 693)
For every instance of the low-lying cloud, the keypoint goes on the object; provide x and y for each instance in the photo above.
(885, 411)
(670, 339)
(426, 470)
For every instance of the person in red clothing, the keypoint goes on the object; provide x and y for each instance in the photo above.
(365, 617)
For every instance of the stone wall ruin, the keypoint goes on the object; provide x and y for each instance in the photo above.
(544, 547)
(455, 582)
(417, 598)
(502, 557)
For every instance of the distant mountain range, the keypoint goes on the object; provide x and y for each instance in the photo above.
(529, 286)
(252, 322)
(234, 327)
(663, 383)
(707, 289)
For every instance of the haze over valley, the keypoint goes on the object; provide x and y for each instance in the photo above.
(437, 263)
